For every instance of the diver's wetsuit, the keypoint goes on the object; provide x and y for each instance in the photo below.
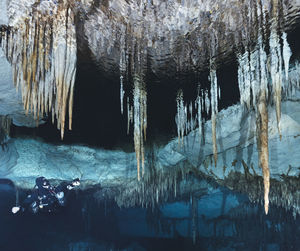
(46, 197)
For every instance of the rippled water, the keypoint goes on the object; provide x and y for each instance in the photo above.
(172, 37)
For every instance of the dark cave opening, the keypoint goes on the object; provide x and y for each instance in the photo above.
(97, 119)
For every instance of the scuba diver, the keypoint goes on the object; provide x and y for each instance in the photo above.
(45, 197)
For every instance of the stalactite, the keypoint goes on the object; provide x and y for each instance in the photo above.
(191, 121)
(186, 120)
(123, 67)
(258, 76)
(139, 120)
(254, 76)
(262, 124)
(276, 73)
(199, 115)
(136, 114)
(129, 115)
(286, 53)
(180, 117)
(42, 50)
(262, 137)
(244, 79)
(214, 111)
(121, 93)
(206, 102)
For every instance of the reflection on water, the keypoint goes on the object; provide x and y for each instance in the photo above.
(220, 220)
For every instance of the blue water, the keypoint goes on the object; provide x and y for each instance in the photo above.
(220, 220)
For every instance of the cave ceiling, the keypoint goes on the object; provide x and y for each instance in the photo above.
(165, 37)
(178, 37)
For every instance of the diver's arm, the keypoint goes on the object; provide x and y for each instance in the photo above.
(31, 202)
(74, 183)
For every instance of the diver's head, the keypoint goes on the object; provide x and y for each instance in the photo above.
(42, 182)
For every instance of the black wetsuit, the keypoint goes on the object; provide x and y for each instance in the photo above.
(46, 197)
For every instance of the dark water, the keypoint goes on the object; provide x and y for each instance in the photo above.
(220, 220)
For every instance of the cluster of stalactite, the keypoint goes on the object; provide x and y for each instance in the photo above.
(140, 122)
(5, 123)
(42, 50)
(256, 70)
(214, 111)
(253, 84)
(132, 63)
(257, 74)
(187, 120)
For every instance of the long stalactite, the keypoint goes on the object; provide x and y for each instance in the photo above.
(263, 150)
(140, 122)
(132, 61)
(214, 112)
(181, 117)
(276, 73)
(257, 73)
